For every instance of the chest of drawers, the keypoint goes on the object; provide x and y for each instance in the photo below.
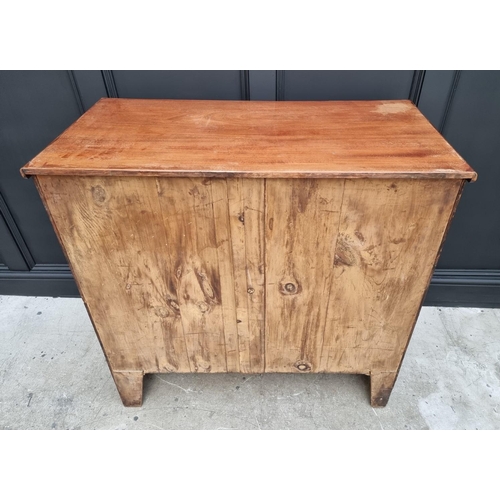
(251, 237)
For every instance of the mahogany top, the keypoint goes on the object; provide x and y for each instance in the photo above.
(180, 138)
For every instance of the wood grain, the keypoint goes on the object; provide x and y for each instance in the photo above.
(187, 208)
(358, 259)
(246, 223)
(302, 223)
(381, 385)
(153, 260)
(177, 138)
(129, 385)
(389, 235)
(251, 275)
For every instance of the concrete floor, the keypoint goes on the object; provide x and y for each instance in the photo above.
(53, 376)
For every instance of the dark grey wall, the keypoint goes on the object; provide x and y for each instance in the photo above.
(36, 106)
(343, 85)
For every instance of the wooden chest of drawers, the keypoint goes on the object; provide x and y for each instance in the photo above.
(251, 237)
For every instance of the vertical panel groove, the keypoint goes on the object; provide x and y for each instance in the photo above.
(245, 85)
(416, 86)
(76, 91)
(109, 83)
(280, 85)
(453, 89)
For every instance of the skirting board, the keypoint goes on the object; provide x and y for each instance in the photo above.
(449, 287)
(44, 280)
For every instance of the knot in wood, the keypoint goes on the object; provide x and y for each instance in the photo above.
(173, 304)
(290, 288)
(203, 306)
(161, 312)
(303, 366)
(98, 194)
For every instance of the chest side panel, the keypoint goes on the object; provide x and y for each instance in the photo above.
(155, 259)
(360, 254)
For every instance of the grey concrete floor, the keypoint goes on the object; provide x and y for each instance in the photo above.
(53, 376)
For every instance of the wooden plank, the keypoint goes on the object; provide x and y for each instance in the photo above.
(389, 236)
(253, 197)
(116, 248)
(347, 269)
(176, 138)
(226, 267)
(152, 258)
(246, 222)
(150, 269)
(187, 208)
(302, 219)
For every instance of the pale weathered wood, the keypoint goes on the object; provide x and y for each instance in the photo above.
(177, 138)
(187, 207)
(389, 235)
(302, 221)
(129, 385)
(223, 243)
(102, 240)
(381, 385)
(357, 256)
(246, 222)
(173, 270)
(154, 261)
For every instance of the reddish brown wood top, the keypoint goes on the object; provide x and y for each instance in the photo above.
(251, 139)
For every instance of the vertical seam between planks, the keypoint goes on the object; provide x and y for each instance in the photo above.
(247, 284)
(264, 298)
(231, 256)
(218, 264)
(332, 281)
(190, 262)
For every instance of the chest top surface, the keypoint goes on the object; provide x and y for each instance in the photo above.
(181, 138)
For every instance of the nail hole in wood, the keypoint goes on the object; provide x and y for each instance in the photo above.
(303, 366)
